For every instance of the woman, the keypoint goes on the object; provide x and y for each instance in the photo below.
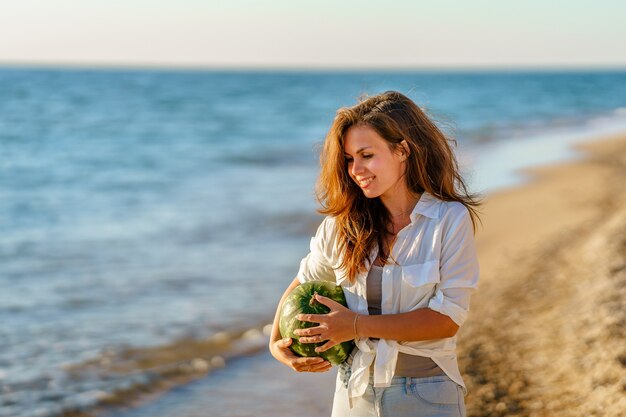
(398, 236)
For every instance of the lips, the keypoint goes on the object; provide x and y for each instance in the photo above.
(365, 182)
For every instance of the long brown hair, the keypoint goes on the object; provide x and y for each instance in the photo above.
(430, 166)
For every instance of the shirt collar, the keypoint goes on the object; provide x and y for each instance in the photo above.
(427, 205)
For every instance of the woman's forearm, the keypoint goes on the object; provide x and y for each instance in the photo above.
(421, 324)
(275, 335)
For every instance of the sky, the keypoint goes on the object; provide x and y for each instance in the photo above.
(315, 34)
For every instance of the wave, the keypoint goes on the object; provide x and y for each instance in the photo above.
(126, 375)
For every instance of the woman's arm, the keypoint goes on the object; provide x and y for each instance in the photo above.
(421, 324)
(339, 325)
(275, 335)
(279, 348)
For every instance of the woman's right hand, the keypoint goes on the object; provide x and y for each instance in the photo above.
(280, 350)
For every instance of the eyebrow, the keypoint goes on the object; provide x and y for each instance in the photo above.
(359, 151)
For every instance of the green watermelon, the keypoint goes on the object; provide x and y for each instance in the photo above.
(301, 301)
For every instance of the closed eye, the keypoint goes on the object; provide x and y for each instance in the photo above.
(364, 156)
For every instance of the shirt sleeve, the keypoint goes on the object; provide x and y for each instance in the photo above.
(458, 268)
(316, 265)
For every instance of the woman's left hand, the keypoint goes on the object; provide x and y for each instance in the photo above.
(335, 327)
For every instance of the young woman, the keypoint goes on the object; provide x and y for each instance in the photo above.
(398, 236)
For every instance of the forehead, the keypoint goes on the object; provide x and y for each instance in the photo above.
(358, 137)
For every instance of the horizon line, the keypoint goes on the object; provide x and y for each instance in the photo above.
(306, 68)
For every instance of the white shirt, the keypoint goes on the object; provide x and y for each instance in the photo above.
(438, 269)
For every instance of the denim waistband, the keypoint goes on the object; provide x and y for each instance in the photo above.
(404, 380)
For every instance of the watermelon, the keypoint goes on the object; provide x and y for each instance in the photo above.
(301, 301)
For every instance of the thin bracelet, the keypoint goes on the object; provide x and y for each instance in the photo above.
(356, 335)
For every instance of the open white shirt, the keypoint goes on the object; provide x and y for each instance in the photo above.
(438, 269)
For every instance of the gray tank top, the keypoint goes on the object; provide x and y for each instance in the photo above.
(407, 365)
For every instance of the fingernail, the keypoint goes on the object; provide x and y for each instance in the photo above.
(286, 339)
(299, 317)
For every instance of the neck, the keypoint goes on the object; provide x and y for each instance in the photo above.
(401, 206)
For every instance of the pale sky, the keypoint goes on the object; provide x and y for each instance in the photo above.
(315, 33)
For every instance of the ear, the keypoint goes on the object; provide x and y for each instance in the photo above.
(405, 150)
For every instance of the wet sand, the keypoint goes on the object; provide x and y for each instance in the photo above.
(546, 335)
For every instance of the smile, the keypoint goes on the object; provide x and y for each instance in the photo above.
(364, 183)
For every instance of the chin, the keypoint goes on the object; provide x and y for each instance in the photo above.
(370, 194)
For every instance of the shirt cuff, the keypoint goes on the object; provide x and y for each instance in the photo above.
(441, 304)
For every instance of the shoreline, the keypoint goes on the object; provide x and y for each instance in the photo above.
(533, 233)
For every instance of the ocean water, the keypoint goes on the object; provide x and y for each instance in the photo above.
(139, 208)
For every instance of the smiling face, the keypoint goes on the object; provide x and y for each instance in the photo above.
(372, 165)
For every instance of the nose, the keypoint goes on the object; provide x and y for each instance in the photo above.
(356, 167)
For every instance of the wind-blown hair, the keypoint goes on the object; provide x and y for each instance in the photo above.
(430, 166)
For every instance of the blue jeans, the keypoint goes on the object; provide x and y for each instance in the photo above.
(433, 396)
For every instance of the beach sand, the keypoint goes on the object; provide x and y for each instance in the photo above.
(546, 334)
(547, 328)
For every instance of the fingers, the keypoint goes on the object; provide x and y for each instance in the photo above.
(312, 339)
(281, 351)
(322, 318)
(284, 343)
(284, 354)
(322, 367)
(326, 346)
(314, 318)
(310, 331)
(327, 301)
(314, 364)
(311, 335)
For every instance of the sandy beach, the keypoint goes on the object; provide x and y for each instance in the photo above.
(546, 335)
(547, 330)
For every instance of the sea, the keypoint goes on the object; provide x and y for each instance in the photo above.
(142, 209)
